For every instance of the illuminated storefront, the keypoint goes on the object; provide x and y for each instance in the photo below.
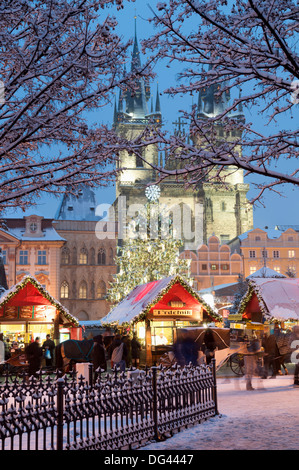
(156, 310)
(28, 310)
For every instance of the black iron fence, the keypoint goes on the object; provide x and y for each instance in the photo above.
(113, 411)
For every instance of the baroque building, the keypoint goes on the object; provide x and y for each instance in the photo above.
(276, 249)
(31, 246)
(87, 257)
(219, 209)
(214, 264)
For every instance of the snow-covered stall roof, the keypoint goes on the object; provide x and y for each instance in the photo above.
(141, 299)
(29, 292)
(90, 323)
(278, 298)
(265, 272)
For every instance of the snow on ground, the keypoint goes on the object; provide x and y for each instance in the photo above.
(266, 418)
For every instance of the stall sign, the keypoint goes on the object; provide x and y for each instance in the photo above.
(254, 326)
(172, 312)
(237, 326)
(235, 317)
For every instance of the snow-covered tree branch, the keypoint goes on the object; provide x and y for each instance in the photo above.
(246, 50)
(59, 60)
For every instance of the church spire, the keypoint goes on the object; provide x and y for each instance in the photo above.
(135, 98)
(213, 100)
(158, 107)
(136, 62)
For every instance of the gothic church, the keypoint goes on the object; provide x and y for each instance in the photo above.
(223, 210)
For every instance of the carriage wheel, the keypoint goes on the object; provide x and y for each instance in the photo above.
(237, 364)
(167, 360)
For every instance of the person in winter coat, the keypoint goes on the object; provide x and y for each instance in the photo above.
(294, 346)
(98, 354)
(135, 350)
(118, 353)
(127, 342)
(250, 360)
(34, 353)
(272, 359)
(186, 350)
(210, 345)
(48, 350)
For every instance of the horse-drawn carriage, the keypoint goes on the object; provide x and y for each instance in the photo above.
(16, 364)
(224, 352)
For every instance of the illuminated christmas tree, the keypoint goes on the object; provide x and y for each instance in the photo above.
(151, 251)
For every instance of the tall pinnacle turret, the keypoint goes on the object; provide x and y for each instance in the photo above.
(132, 106)
(214, 100)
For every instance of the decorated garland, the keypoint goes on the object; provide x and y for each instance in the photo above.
(253, 289)
(29, 279)
(176, 279)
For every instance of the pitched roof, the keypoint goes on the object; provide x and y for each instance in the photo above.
(266, 272)
(30, 292)
(278, 298)
(142, 298)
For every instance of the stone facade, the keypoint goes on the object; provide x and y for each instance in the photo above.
(87, 258)
(224, 209)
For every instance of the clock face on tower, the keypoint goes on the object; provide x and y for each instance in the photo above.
(153, 193)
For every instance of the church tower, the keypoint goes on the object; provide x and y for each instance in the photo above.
(211, 208)
(227, 212)
(131, 117)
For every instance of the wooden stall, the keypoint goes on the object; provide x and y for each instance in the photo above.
(156, 310)
(270, 300)
(27, 310)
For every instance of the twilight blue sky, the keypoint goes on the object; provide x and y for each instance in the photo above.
(278, 209)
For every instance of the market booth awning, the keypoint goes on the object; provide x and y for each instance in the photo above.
(274, 298)
(29, 300)
(156, 310)
(165, 298)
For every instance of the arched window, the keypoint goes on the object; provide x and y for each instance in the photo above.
(83, 258)
(92, 256)
(83, 290)
(74, 255)
(64, 290)
(101, 256)
(139, 162)
(65, 255)
(111, 256)
(101, 290)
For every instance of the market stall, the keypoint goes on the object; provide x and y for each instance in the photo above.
(27, 310)
(268, 301)
(156, 310)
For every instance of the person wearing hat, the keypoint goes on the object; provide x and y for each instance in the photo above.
(98, 355)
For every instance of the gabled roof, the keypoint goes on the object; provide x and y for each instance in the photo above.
(81, 207)
(266, 272)
(29, 292)
(278, 298)
(142, 298)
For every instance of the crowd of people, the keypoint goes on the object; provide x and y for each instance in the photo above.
(122, 352)
(268, 355)
(34, 352)
(265, 356)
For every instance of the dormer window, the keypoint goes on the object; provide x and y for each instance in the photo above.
(33, 227)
